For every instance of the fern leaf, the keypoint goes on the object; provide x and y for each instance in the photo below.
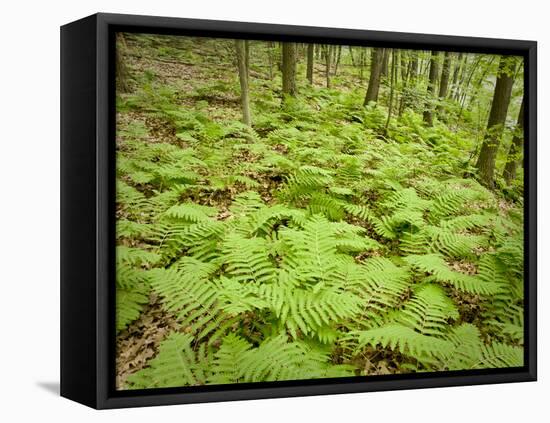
(175, 365)
(435, 265)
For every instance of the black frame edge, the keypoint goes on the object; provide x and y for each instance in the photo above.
(78, 212)
(530, 171)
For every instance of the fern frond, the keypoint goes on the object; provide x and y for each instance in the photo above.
(191, 297)
(403, 339)
(278, 359)
(190, 212)
(428, 311)
(135, 256)
(436, 265)
(472, 353)
(311, 251)
(247, 259)
(129, 304)
(175, 365)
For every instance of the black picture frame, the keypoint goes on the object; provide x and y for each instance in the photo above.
(87, 210)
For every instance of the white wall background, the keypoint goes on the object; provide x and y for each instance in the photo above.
(29, 196)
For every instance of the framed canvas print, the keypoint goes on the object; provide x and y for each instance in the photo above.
(256, 211)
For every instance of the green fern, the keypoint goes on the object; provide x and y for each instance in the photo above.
(176, 364)
(323, 240)
(435, 265)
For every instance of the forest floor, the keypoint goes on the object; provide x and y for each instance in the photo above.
(185, 98)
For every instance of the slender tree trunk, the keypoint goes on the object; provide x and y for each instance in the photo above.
(375, 72)
(337, 60)
(247, 57)
(479, 83)
(497, 117)
(464, 90)
(240, 46)
(270, 58)
(122, 72)
(309, 72)
(289, 69)
(432, 82)
(385, 62)
(404, 67)
(361, 64)
(444, 84)
(393, 80)
(456, 73)
(462, 78)
(328, 56)
(513, 159)
(414, 67)
(351, 55)
(410, 80)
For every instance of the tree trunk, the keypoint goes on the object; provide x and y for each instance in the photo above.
(514, 154)
(385, 62)
(432, 82)
(461, 78)
(404, 66)
(328, 56)
(240, 46)
(444, 85)
(122, 72)
(414, 67)
(393, 80)
(337, 60)
(310, 49)
(361, 63)
(289, 69)
(456, 73)
(464, 91)
(247, 57)
(374, 80)
(479, 83)
(351, 56)
(497, 117)
(270, 47)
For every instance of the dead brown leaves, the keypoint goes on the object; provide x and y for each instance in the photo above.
(139, 343)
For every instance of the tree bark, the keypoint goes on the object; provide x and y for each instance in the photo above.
(309, 73)
(461, 78)
(375, 72)
(385, 62)
(432, 82)
(414, 67)
(393, 80)
(479, 83)
(247, 57)
(444, 85)
(122, 72)
(270, 47)
(456, 73)
(361, 63)
(404, 66)
(240, 47)
(351, 56)
(495, 125)
(513, 159)
(328, 56)
(337, 60)
(465, 86)
(444, 82)
(289, 69)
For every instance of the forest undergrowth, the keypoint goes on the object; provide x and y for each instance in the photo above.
(323, 240)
